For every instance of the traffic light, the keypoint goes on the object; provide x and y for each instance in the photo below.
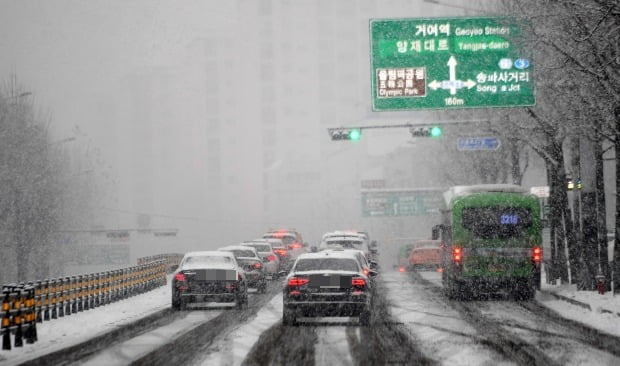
(352, 134)
(434, 131)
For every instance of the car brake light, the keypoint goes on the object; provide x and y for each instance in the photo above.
(271, 258)
(239, 277)
(366, 271)
(180, 277)
(297, 281)
(537, 254)
(401, 269)
(295, 246)
(457, 254)
(358, 282)
(294, 292)
(258, 265)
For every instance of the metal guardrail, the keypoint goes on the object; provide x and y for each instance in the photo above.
(171, 259)
(24, 305)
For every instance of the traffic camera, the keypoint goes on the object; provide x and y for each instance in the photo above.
(353, 134)
(434, 131)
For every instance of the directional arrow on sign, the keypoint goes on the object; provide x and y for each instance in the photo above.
(452, 84)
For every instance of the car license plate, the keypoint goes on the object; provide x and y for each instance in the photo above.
(269, 277)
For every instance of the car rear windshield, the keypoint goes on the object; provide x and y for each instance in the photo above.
(495, 222)
(333, 264)
(242, 253)
(346, 243)
(206, 260)
(286, 239)
(260, 247)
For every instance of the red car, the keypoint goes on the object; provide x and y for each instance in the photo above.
(425, 254)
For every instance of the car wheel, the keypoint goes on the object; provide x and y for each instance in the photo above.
(176, 305)
(289, 317)
(364, 318)
(240, 302)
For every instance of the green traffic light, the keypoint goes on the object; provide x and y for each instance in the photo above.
(435, 131)
(355, 135)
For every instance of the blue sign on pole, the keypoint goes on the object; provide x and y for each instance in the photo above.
(477, 143)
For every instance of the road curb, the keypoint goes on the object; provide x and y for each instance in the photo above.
(568, 299)
(579, 303)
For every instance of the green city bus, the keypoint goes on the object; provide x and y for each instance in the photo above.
(491, 238)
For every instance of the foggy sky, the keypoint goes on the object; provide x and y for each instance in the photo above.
(128, 79)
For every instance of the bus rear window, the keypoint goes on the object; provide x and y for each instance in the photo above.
(496, 222)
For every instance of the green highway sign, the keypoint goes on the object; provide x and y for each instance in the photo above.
(449, 63)
(401, 202)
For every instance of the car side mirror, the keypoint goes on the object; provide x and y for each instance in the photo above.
(314, 249)
(373, 264)
(372, 273)
(282, 273)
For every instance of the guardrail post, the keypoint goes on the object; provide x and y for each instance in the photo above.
(80, 290)
(18, 318)
(68, 295)
(31, 331)
(52, 294)
(106, 287)
(86, 287)
(74, 294)
(60, 290)
(6, 318)
(38, 301)
(46, 299)
(96, 301)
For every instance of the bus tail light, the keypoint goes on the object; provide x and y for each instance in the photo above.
(457, 255)
(537, 255)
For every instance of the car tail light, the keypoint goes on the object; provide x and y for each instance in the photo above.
(258, 265)
(366, 271)
(358, 282)
(180, 277)
(457, 254)
(294, 246)
(239, 277)
(280, 252)
(401, 269)
(297, 281)
(537, 255)
(294, 292)
(271, 258)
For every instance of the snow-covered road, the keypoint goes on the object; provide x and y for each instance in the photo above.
(412, 322)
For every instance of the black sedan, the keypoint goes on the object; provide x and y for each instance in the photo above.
(327, 284)
(208, 278)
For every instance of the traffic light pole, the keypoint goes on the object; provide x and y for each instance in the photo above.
(343, 133)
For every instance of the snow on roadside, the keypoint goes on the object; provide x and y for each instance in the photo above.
(596, 318)
(236, 344)
(73, 329)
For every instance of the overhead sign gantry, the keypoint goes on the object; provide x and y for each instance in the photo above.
(449, 63)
